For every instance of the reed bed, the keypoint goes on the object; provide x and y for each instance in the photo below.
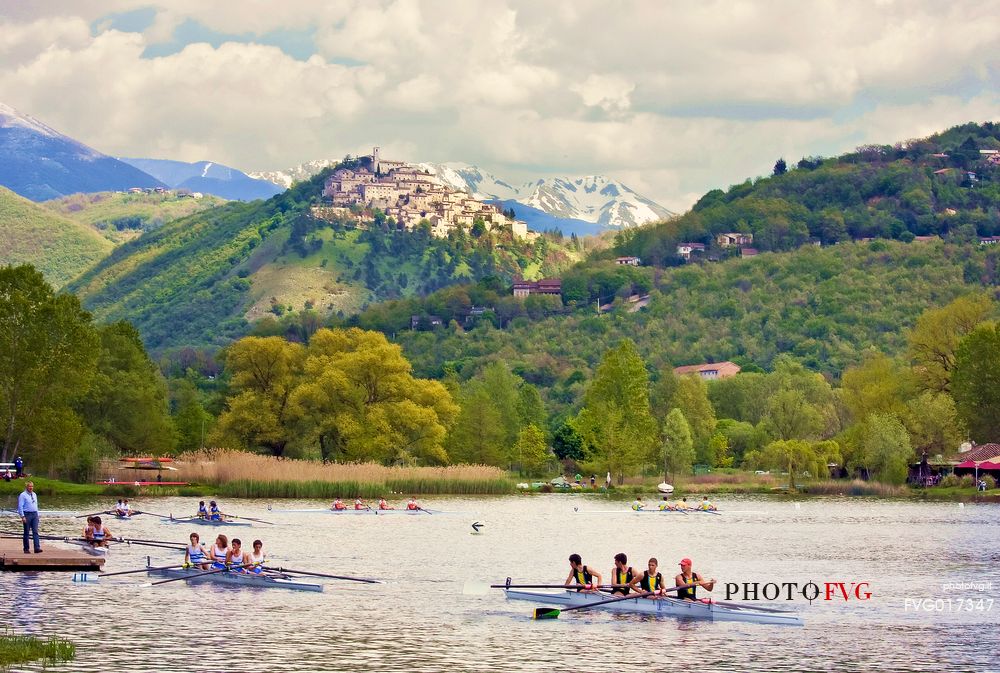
(856, 487)
(23, 649)
(239, 474)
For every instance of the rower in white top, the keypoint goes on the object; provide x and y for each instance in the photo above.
(256, 558)
(96, 533)
(638, 504)
(195, 554)
(236, 557)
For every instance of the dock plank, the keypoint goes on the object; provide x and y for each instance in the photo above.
(54, 557)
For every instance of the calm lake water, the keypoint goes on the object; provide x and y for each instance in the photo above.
(428, 617)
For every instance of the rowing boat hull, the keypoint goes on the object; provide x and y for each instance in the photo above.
(377, 512)
(236, 579)
(668, 607)
(647, 511)
(100, 552)
(208, 522)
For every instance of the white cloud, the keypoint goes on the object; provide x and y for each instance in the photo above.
(673, 98)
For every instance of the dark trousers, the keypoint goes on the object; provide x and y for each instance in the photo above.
(31, 523)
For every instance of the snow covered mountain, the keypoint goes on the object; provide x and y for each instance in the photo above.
(39, 163)
(584, 205)
(207, 177)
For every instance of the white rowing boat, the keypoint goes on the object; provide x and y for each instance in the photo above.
(89, 548)
(667, 607)
(651, 510)
(376, 512)
(262, 581)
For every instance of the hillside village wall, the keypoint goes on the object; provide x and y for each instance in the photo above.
(409, 195)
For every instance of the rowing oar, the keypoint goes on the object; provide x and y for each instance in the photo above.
(87, 577)
(332, 577)
(246, 518)
(152, 543)
(80, 516)
(553, 613)
(192, 577)
(162, 516)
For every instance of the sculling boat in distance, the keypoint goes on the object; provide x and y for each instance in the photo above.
(207, 522)
(262, 581)
(668, 607)
(379, 512)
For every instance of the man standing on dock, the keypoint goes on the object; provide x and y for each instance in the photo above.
(27, 509)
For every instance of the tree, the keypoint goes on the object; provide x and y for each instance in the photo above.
(780, 167)
(677, 449)
(886, 450)
(127, 399)
(531, 451)
(791, 416)
(933, 423)
(691, 397)
(878, 385)
(976, 382)
(616, 419)
(48, 354)
(567, 442)
(190, 417)
(478, 435)
(796, 456)
(934, 339)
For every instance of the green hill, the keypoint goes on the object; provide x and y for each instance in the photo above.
(58, 247)
(120, 217)
(204, 278)
(823, 306)
(941, 185)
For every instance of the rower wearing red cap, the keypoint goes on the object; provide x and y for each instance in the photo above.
(687, 576)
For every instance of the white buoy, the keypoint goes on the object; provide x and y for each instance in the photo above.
(961, 505)
(798, 505)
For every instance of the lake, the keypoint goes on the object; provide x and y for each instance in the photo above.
(430, 615)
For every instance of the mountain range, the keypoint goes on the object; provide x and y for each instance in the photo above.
(580, 205)
(206, 177)
(39, 163)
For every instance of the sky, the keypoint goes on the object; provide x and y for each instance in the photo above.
(671, 98)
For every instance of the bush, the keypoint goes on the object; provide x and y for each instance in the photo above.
(949, 481)
(991, 483)
(966, 481)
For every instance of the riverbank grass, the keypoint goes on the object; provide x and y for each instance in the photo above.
(15, 650)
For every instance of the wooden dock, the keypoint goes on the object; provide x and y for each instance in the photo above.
(54, 557)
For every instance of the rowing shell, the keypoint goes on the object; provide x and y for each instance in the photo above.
(89, 548)
(647, 511)
(207, 522)
(237, 579)
(345, 512)
(668, 607)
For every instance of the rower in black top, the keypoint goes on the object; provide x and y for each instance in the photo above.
(583, 575)
(650, 581)
(686, 576)
(622, 573)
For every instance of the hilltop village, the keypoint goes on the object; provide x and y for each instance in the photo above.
(408, 196)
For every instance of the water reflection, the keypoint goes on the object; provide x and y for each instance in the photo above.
(421, 620)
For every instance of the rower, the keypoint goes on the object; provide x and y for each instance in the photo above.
(686, 576)
(665, 506)
(622, 574)
(382, 504)
(583, 575)
(126, 508)
(360, 504)
(338, 505)
(195, 554)
(683, 504)
(707, 505)
(96, 533)
(217, 554)
(412, 505)
(637, 505)
(119, 509)
(257, 557)
(214, 513)
(236, 558)
(651, 580)
(202, 510)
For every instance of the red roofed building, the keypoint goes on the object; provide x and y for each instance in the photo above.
(522, 288)
(711, 371)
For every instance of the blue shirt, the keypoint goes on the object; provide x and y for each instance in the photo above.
(27, 502)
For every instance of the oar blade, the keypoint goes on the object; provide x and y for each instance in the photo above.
(546, 613)
(85, 577)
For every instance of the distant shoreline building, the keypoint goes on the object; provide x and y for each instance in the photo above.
(523, 288)
(710, 371)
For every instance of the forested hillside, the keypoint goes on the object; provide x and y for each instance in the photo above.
(202, 279)
(942, 185)
(58, 247)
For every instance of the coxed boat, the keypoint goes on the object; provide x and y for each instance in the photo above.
(208, 522)
(262, 581)
(668, 607)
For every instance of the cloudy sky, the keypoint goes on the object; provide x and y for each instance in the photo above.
(673, 98)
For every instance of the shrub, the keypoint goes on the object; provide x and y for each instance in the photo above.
(966, 481)
(949, 481)
(991, 483)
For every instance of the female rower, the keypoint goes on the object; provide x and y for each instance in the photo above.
(256, 558)
(217, 554)
(638, 504)
(651, 581)
(360, 504)
(195, 554)
(99, 534)
(338, 505)
(622, 574)
(707, 505)
(214, 513)
(412, 505)
(126, 508)
(382, 504)
(665, 506)
(202, 510)
(236, 558)
(583, 575)
(119, 510)
(686, 576)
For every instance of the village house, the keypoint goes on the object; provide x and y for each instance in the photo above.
(628, 261)
(730, 240)
(749, 252)
(523, 288)
(685, 250)
(710, 372)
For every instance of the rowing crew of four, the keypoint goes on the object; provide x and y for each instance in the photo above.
(224, 554)
(681, 505)
(359, 504)
(627, 579)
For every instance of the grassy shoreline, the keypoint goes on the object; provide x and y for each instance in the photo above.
(24, 649)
